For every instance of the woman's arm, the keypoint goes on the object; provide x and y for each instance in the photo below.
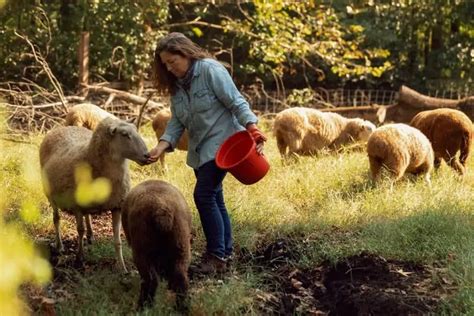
(174, 130)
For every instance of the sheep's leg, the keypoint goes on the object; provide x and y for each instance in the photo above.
(465, 150)
(375, 168)
(148, 285)
(89, 232)
(294, 147)
(428, 179)
(397, 170)
(163, 163)
(397, 174)
(454, 163)
(281, 144)
(451, 159)
(80, 239)
(437, 162)
(179, 283)
(56, 220)
(116, 217)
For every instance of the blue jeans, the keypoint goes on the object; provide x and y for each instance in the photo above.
(209, 199)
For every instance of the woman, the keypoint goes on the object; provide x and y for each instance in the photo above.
(206, 102)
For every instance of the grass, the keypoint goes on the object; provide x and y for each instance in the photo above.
(326, 201)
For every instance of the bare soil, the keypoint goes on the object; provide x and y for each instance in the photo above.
(363, 284)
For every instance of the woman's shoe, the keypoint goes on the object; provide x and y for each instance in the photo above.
(210, 264)
(229, 260)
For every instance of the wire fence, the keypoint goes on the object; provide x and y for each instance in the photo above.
(275, 101)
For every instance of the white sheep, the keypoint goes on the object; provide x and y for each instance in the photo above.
(159, 123)
(305, 131)
(400, 149)
(105, 150)
(157, 223)
(87, 115)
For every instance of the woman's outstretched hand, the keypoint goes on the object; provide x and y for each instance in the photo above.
(257, 136)
(157, 151)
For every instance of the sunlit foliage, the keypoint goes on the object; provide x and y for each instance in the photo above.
(19, 260)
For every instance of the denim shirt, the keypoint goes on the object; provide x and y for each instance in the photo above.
(211, 110)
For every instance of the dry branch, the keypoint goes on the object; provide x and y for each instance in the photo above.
(40, 59)
(127, 96)
(48, 105)
(140, 114)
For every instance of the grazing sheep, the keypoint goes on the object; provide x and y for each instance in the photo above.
(399, 148)
(305, 131)
(105, 150)
(87, 115)
(159, 125)
(449, 131)
(157, 225)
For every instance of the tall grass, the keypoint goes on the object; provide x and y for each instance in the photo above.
(328, 202)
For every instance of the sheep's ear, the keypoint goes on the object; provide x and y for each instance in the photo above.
(112, 130)
(381, 114)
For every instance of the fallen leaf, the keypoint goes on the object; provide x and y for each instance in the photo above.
(404, 273)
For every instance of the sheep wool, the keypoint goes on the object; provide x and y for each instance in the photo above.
(105, 151)
(305, 131)
(87, 115)
(400, 149)
(157, 224)
(450, 132)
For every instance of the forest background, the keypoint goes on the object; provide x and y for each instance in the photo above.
(365, 44)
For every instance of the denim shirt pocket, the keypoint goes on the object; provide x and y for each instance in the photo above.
(179, 108)
(203, 100)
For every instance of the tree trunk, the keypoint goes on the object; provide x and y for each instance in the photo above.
(410, 98)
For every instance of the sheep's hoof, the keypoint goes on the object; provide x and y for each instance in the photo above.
(126, 282)
(182, 304)
(122, 268)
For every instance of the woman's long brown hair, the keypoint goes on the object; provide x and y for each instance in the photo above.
(174, 43)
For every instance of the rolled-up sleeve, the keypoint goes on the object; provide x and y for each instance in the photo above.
(224, 88)
(174, 130)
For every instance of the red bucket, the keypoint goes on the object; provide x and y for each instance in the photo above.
(239, 156)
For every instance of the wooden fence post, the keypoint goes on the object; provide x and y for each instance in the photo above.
(83, 55)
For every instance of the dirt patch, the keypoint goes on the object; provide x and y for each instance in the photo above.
(271, 256)
(364, 284)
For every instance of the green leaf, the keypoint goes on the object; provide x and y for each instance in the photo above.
(197, 31)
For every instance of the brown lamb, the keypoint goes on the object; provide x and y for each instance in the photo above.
(159, 125)
(449, 131)
(157, 224)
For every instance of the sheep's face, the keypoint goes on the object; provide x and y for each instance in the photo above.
(127, 143)
(362, 129)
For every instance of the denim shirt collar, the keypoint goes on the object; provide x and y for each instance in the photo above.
(185, 82)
